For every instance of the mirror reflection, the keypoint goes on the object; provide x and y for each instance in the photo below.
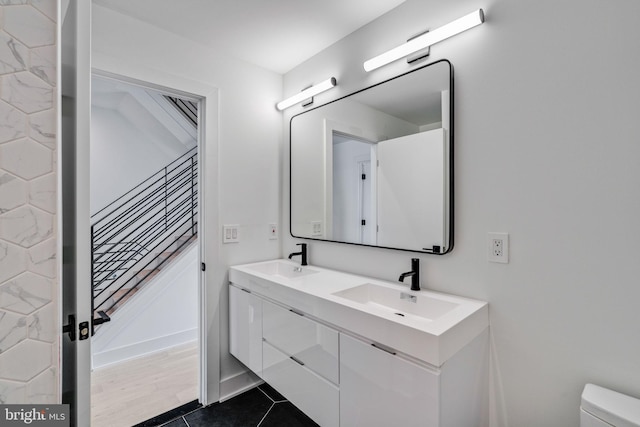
(374, 168)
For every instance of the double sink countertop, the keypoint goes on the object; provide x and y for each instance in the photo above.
(425, 325)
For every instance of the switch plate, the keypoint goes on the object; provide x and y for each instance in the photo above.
(316, 228)
(498, 247)
(230, 233)
(273, 231)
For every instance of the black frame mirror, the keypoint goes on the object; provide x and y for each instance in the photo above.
(398, 134)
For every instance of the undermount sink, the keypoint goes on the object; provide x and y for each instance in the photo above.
(283, 269)
(404, 304)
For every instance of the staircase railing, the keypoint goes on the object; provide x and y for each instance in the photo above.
(129, 235)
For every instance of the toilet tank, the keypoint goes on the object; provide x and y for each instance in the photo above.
(605, 408)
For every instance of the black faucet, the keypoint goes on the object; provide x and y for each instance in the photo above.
(302, 253)
(414, 274)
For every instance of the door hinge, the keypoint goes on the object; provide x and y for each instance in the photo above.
(203, 266)
(364, 222)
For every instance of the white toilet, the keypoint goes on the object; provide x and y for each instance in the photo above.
(605, 408)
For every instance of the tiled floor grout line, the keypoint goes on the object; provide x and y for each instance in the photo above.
(267, 413)
(185, 421)
(265, 393)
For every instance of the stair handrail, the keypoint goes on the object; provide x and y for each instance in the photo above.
(159, 214)
(134, 188)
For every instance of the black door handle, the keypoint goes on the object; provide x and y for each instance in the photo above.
(70, 328)
(104, 318)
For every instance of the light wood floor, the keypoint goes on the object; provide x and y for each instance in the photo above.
(134, 391)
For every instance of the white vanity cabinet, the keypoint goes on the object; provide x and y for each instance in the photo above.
(300, 360)
(301, 334)
(379, 388)
(245, 326)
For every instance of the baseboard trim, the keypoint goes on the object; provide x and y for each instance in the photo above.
(238, 384)
(120, 354)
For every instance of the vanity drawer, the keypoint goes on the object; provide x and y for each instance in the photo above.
(308, 341)
(313, 395)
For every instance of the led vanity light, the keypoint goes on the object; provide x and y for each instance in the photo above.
(424, 41)
(307, 93)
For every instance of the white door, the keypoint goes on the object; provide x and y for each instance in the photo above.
(364, 203)
(76, 253)
(411, 191)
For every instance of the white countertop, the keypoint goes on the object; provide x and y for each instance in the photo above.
(430, 340)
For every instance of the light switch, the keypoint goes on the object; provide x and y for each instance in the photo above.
(230, 233)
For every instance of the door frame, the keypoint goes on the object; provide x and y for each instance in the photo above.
(201, 138)
(207, 98)
(209, 254)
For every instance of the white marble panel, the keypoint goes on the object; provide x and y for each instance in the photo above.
(42, 192)
(30, 26)
(12, 192)
(24, 361)
(40, 324)
(13, 329)
(42, 389)
(26, 226)
(42, 128)
(48, 7)
(25, 158)
(26, 92)
(13, 54)
(25, 294)
(12, 123)
(12, 392)
(12, 261)
(41, 259)
(43, 63)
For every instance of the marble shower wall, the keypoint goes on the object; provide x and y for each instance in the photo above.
(29, 282)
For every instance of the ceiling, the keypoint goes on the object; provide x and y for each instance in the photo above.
(274, 34)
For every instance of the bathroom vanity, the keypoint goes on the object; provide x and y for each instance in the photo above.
(352, 351)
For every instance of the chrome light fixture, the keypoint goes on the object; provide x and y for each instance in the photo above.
(307, 93)
(424, 41)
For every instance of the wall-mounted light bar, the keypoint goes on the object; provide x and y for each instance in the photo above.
(307, 93)
(424, 41)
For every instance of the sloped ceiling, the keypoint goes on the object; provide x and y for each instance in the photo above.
(274, 34)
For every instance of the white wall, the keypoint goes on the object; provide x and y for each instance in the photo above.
(163, 314)
(546, 148)
(122, 156)
(245, 180)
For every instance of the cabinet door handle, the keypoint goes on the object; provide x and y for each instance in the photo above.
(296, 312)
(387, 350)
(298, 361)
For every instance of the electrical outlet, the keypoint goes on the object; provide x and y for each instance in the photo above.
(230, 233)
(273, 231)
(498, 247)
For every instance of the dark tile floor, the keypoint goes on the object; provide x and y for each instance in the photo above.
(259, 407)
